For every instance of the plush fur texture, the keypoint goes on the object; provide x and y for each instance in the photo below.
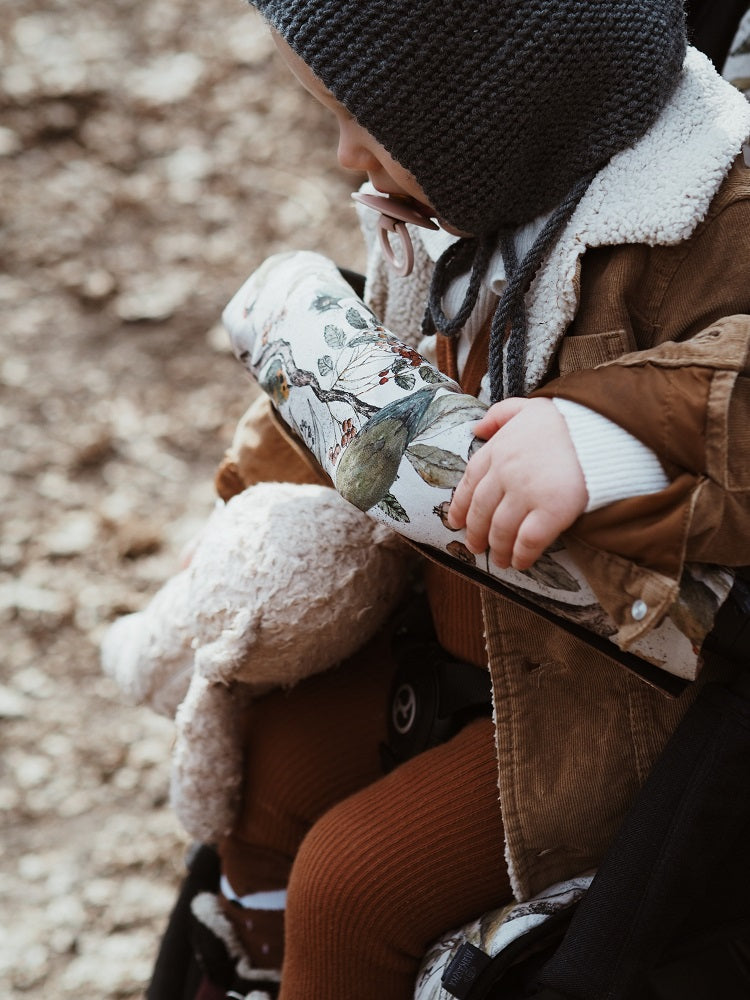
(286, 581)
(656, 193)
(264, 602)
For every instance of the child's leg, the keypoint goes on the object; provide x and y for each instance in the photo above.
(389, 869)
(306, 750)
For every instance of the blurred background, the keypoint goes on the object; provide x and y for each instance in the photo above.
(150, 157)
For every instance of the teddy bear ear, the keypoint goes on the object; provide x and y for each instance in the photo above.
(228, 482)
(119, 653)
(207, 761)
(150, 662)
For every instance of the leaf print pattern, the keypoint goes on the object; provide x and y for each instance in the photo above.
(494, 932)
(334, 336)
(393, 509)
(550, 573)
(428, 374)
(395, 434)
(436, 466)
(446, 411)
(355, 318)
(441, 511)
(459, 551)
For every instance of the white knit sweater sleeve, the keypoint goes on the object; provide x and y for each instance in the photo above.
(615, 464)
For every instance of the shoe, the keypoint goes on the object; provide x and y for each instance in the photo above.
(221, 956)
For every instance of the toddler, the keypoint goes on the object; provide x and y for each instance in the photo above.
(590, 280)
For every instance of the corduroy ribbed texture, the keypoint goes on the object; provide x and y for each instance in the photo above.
(385, 863)
(458, 626)
(382, 874)
(305, 750)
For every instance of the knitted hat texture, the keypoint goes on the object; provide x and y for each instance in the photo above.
(497, 107)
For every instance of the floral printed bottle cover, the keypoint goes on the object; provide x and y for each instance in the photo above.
(394, 434)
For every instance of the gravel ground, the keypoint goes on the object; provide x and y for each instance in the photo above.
(149, 160)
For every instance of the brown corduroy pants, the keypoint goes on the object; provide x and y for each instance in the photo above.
(376, 866)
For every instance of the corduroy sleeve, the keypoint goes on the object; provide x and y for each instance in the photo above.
(688, 399)
(265, 450)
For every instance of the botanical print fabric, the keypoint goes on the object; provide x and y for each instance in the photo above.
(494, 932)
(394, 434)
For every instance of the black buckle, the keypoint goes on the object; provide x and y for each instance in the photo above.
(433, 695)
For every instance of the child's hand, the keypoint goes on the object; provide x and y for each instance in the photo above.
(521, 489)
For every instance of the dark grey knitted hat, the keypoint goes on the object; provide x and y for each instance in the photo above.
(503, 110)
(496, 106)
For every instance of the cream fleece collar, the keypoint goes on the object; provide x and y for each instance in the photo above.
(655, 192)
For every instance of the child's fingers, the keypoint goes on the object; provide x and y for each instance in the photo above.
(463, 494)
(506, 521)
(498, 415)
(482, 509)
(536, 532)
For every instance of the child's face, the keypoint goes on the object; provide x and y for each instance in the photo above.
(357, 150)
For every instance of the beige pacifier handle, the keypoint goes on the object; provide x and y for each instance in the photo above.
(393, 214)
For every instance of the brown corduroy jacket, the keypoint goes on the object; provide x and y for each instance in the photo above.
(660, 344)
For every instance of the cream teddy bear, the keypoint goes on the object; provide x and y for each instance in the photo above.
(287, 580)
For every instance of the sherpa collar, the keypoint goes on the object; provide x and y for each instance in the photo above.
(656, 193)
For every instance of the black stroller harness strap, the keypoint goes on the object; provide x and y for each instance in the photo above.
(687, 829)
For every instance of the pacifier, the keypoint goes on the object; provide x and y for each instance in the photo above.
(393, 214)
